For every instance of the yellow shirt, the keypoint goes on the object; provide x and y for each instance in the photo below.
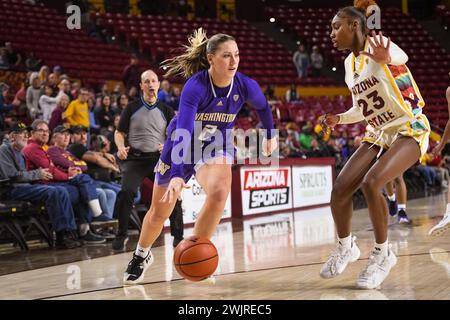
(77, 113)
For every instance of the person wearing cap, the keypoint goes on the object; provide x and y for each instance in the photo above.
(80, 186)
(77, 113)
(139, 138)
(56, 198)
(64, 160)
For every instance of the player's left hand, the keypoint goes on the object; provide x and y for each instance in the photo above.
(269, 146)
(380, 53)
(173, 192)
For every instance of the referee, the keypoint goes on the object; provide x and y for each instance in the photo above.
(139, 138)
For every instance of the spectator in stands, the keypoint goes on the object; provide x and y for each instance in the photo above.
(57, 117)
(316, 150)
(94, 159)
(56, 198)
(427, 172)
(64, 85)
(5, 108)
(47, 102)
(103, 114)
(4, 62)
(133, 94)
(57, 71)
(21, 98)
(77, 113)
(291, 93)
(14, 58)
(64, 160)
(175, 101)
(122, 102)
(306, 136)
(53, 81)
(301, 61)
(75, 88)
(94, 127)
(316, 61)
(110, 134)
(43, 74)
(164, 93)
(294, 146)
(80, 186)
(32, 63)
(33, 95)
(131, 75)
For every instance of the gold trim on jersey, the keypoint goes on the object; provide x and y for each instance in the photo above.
(397, 92)
(421, 102)
(363, 59)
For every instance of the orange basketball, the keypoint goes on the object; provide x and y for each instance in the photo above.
(195, 258)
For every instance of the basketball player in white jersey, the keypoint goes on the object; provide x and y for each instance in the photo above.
(444, 224)
(386, 96)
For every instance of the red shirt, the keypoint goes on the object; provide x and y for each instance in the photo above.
(36, 157)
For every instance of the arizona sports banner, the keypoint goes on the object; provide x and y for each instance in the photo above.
(193, 200)
(311, 185)
(265, 189)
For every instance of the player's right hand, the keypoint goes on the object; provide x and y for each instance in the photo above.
(122, 153)
(329, 121)
(173, 192)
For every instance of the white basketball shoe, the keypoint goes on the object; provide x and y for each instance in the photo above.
(339, 259)
(441, 227)
(377, 269)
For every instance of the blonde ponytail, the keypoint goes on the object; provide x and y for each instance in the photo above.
(192, 60)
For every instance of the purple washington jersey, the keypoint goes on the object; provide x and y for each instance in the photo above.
(214, 110)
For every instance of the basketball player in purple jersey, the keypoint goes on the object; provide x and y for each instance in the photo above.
(212, 97)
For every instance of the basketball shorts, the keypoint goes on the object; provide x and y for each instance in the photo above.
(163, 172)
(419, 129)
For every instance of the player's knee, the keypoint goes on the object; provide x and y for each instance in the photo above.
(219, 192)
(340, 190)
(156, 216)
(370, 183)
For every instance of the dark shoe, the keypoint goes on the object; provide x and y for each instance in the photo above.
(176, 241)
(108, 235)
(119, 243)
(104, 221)
(393, 208)
(403, 217)
(65, 241)
(136, 269)
(92, 238)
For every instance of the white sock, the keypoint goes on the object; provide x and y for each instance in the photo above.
(448, 209)
(84, 228)
(402, 206)
(141, 251)
(391, 198)
(346, 242)
(95, 207)
(382, 248)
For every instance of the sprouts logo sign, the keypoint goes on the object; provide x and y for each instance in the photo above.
(312, 185)
(265, 190)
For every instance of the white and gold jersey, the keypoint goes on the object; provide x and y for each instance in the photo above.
(384, 95)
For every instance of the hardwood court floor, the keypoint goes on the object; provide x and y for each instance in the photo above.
(270, 257)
